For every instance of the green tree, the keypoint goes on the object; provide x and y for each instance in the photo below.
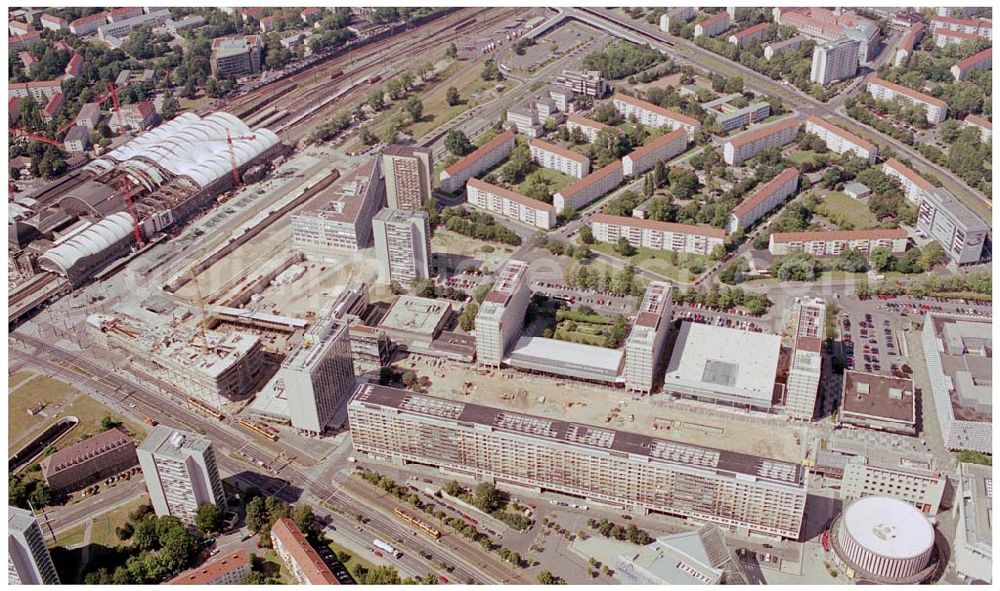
(852, 261)
(409, 379)
(491, 71)
(456, 142)
(881, 259)
(451, 51)
(547, 578)
(415, 108)
(208, 519)
(587, 235)
(931, 256)
(488, 497)
(376, 99)
(452, 96)
(108, 423)
(467, 320)
(624, 247)
(257, 516)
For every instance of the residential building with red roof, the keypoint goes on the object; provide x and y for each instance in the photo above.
(568, 162)
(40, 90)
(657, 235)
(946, 37)
(749, 144)
(19, 28)
(509, 204)
(910, 40)
(252, 12)
(834, 243)
(663, 147)
(29, 61)
(53, 22)
(974, 63)
(714, 25)
(101, 455)
(268, 24)
(912, 183)
(136, 116)
(231, 569)
(883, 90)
(482, 159)
(984, 125)
(589, 188)
(763, 200)
(839, 140)
(75, 66)
(19, 42)
(302, 560)
(87, 25)
(53, 107)
(980, 27)
(310, 13)
(589, 127)
(125, 12)
(654, 115)
(743, 38)
(14, 110)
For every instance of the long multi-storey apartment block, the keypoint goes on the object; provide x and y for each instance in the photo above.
(883, 90)
(730, 117)
(653, 115)
(743, 493)
(714, 25)
(568, 162)
(340, 216)
(657, 235)
(589, 188)
(839, 140)
(980, 27)
(744, 37)
(834, 243)
(485, 157)
(509, 204)
(957, 228)
(662, 148)
(914, 185)
(763, 200)
(974, 63)
(589, 127)
(910, 40)
(985, 127)
(749, 144)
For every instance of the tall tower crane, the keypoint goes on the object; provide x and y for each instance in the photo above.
(232, 155)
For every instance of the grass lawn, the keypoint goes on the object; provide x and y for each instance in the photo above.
(448, 242)
(286, 577)
(556, 180)
(18, 378)
(355, 559)
(90, 412)
(657, 261)
(103, 530)
(54, 393)
(839, 276)
(68, 538)
(196, 102)
(838, 207)
(577, 336)
(801, 157)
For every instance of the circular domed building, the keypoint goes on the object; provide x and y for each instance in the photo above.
(884, 540)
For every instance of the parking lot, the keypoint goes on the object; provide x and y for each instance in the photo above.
(873, 342)
(696, 313)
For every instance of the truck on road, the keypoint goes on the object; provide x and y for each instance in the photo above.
(387, 547)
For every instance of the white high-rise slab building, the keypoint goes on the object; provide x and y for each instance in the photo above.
(402, 245)
(180, 472)
(644, 347)
(809, 318)
(502, 313)
(28, 560)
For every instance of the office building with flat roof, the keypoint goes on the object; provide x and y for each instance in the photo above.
(957, 228)
(883, 90)
(589, 363)
(654, 115)
(644, 347)
(509, 204)
(589, 83)
(482, 159)
(28, 560)
(973, 546)
(763, 200)
(743, 493)
(839, 140)
(747, 145)
(832, 243)
(805, 369)
(402, 245)
(657, 235)
(959, 354)
(698, 557)
(237, 56)
(873, 476)
(878, 402)
(725, 366)
(339, 217)
(409, 176)
(730, 117)
(501, 315)
(180, 473)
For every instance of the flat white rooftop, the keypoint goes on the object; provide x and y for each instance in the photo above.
(565, 358)
(736, 363)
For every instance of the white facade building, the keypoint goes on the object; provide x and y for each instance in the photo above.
(501, 314)
(548, 155)
(839, 140)
(180, 472)
(749, 144)
(883, 90)
(644, 346)
(402, 245)
(662, 148)
(28, 560)
(509, 204)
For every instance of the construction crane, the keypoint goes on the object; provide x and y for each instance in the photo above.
(232, 155)
(35, 136)
(127, 187)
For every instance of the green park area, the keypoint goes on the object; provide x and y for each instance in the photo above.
(673, 266)
(846, 212)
